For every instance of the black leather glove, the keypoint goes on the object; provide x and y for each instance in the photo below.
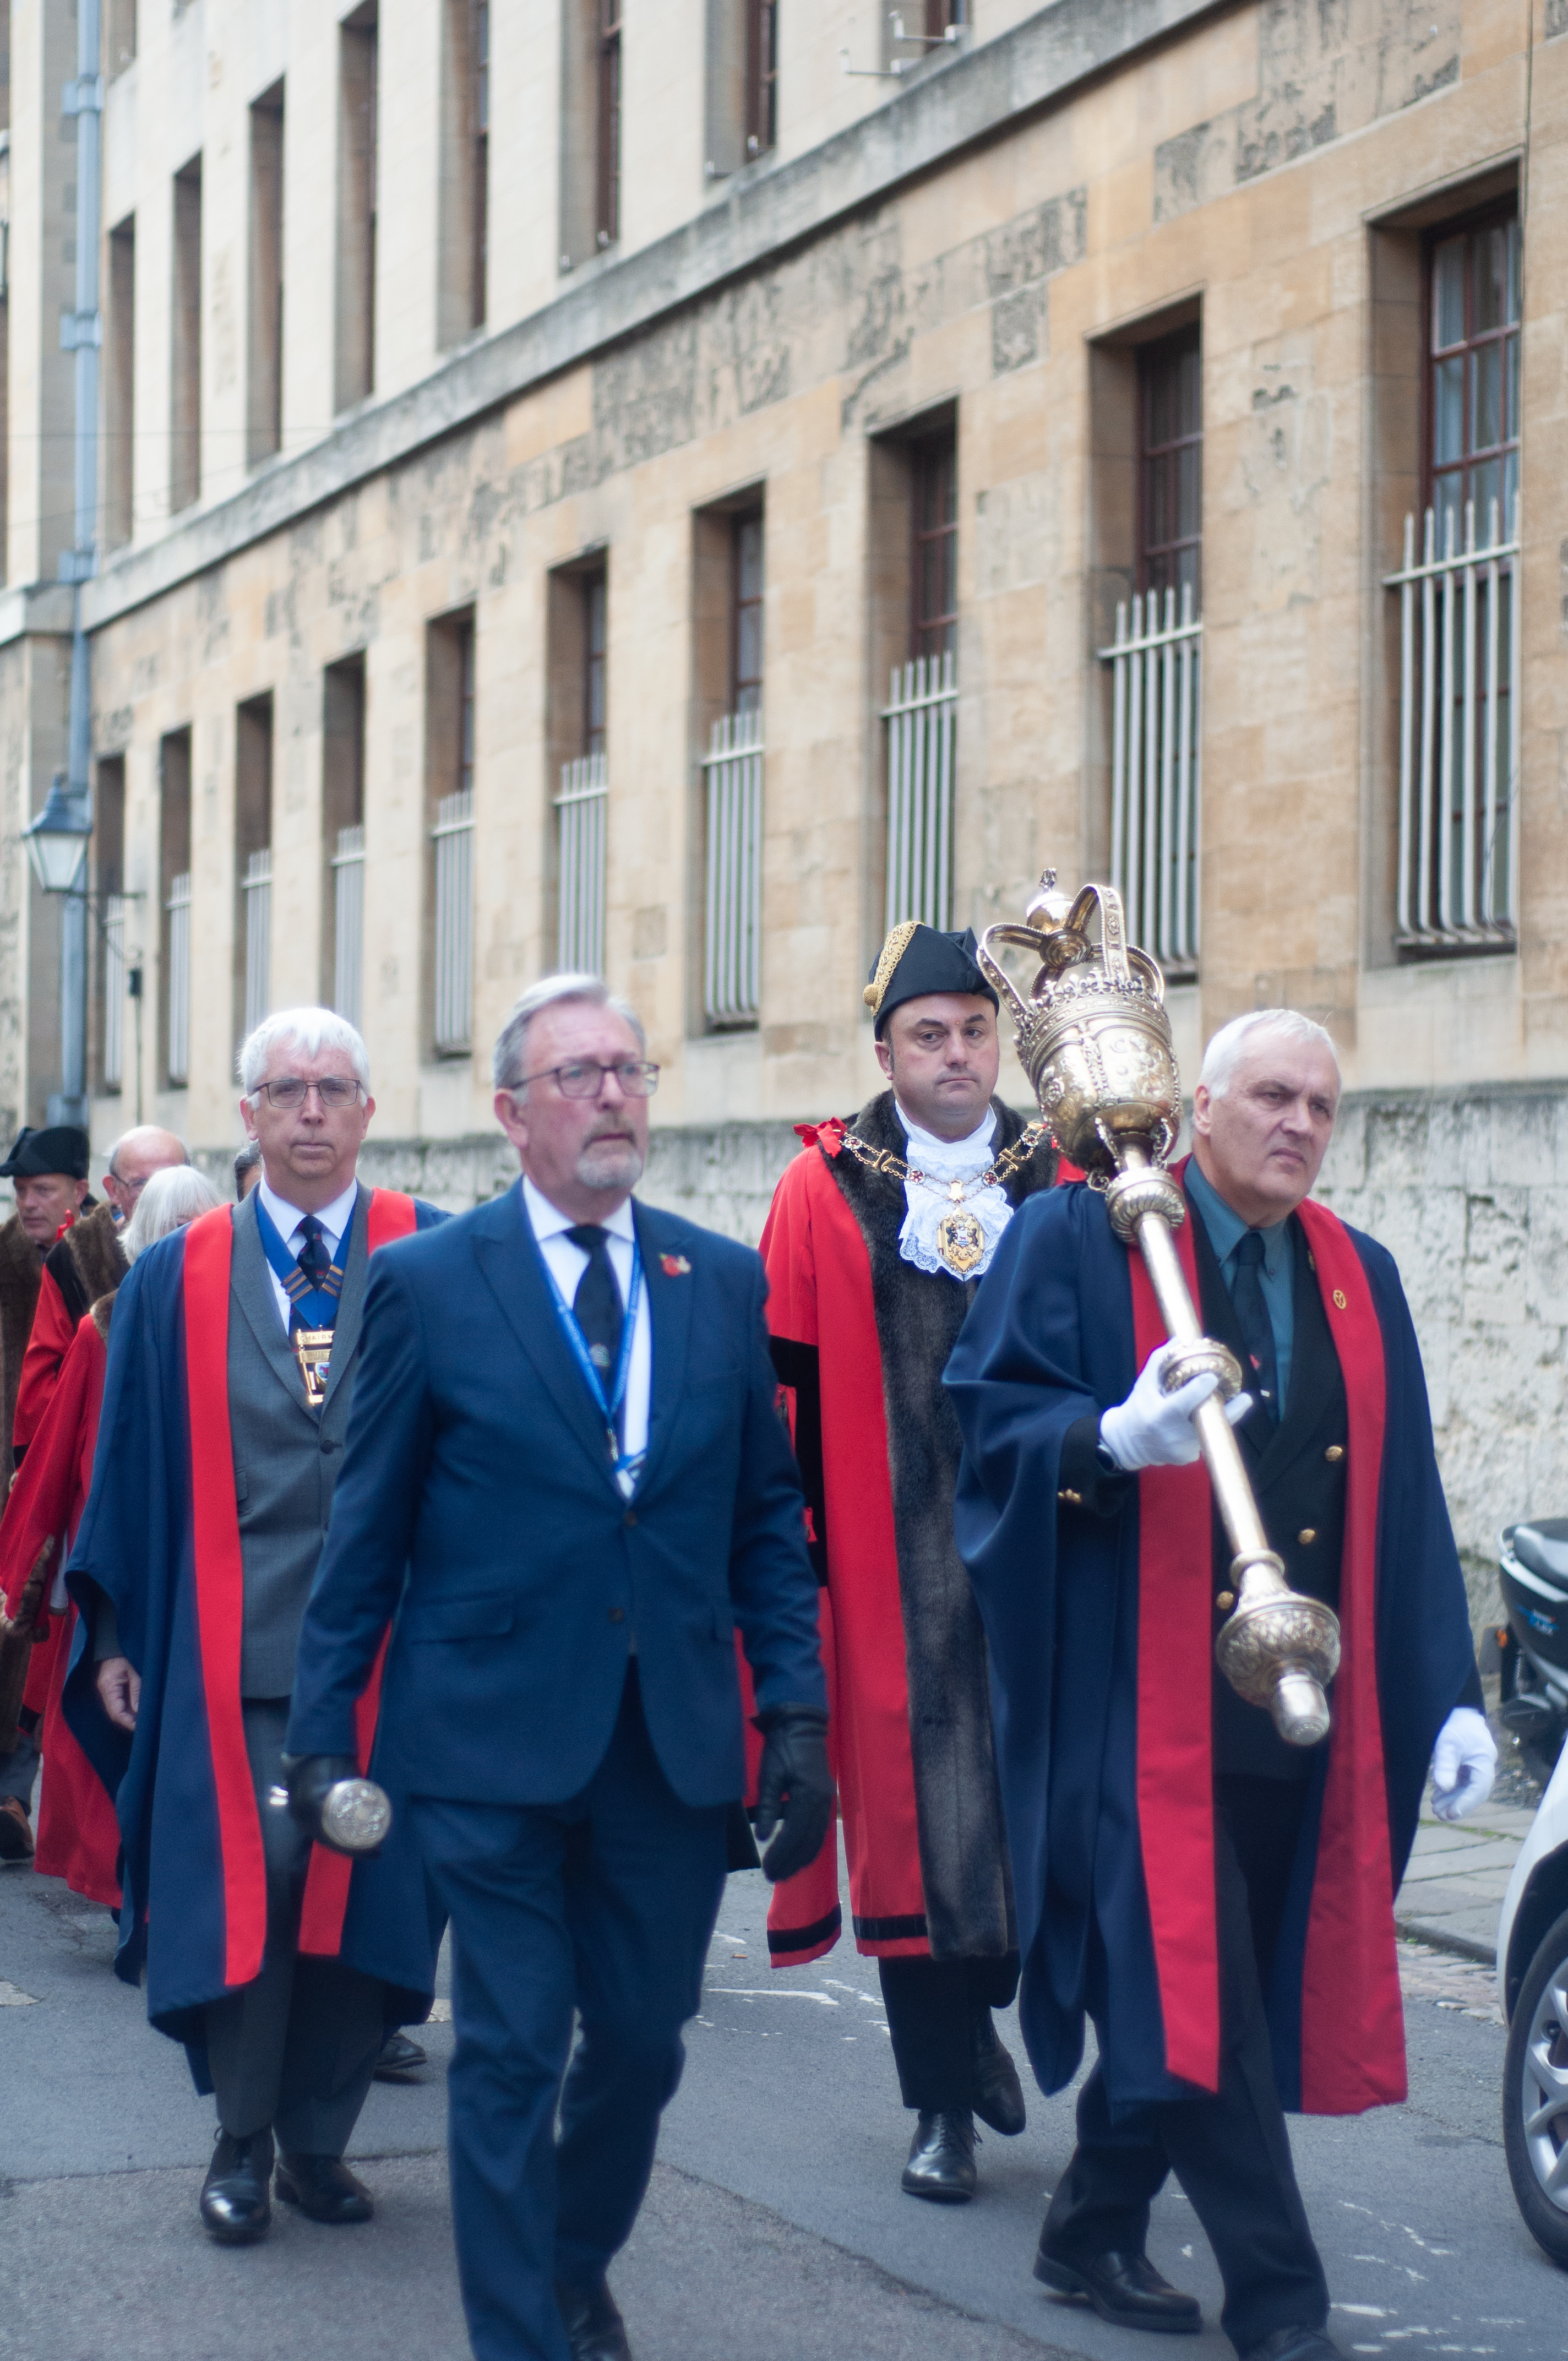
(308, 1777)
(794, 1788)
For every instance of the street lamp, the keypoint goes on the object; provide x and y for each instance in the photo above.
(57, 852)
(57, 839)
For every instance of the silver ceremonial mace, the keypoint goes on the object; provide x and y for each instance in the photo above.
(356, 1815)
(1095, 1041)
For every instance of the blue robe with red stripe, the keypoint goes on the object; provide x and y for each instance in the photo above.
(1099, 1639)
(160, 1537)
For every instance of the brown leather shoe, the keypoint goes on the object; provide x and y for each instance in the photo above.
(15, 1830)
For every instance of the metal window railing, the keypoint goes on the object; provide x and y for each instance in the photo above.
(115, 908)
(1156, 768)
(454, 835)
(732, 769)
(348, 923)
(921, 715)
(1459, 733)
(256, 888)
(580, 814)
(178, 1044)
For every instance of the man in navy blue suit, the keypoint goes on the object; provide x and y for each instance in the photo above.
(566, 1477)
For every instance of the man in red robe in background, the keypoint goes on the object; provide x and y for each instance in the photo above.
(878, 1235)
(78, 1835)
(83, 1265)
(48, 1172)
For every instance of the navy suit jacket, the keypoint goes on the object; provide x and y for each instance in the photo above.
(476, 1505)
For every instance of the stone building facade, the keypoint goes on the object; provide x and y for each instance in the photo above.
(667, 486)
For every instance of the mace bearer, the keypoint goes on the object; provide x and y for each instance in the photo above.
(1095, 1041)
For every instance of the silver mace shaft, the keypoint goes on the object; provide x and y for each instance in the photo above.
(1278, 1649)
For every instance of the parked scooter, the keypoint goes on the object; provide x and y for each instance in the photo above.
(1533, 1649)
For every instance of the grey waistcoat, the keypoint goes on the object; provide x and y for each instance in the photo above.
(286, 1456)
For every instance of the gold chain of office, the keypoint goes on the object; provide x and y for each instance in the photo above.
(961, 1239)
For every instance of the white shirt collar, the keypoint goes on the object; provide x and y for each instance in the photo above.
(548, 1220)
(952, 1153)
(286, 1218)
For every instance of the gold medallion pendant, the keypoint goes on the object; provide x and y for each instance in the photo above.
(961, 1241)
(312, 1350)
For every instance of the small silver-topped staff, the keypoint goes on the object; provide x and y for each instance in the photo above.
(1095, 1041)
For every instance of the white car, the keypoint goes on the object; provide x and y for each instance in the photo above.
(1532, 1985)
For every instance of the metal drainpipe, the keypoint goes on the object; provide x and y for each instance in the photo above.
(81, 332)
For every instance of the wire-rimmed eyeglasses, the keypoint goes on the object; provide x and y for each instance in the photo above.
(583, 1078)
(291, 1093)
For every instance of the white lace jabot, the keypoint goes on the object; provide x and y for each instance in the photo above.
(945, 1160)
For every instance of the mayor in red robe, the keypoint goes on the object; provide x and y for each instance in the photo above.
(878, 1234)
(1218, 1903)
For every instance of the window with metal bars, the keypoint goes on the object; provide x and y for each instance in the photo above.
(1170, 464)
(451, 677)
(607, 202)
(921, 713)
(733, 774)
(1458, 587)
(1473, 278)
(762, 75)
(582, 800)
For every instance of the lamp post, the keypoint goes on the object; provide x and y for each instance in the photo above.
(57, 854)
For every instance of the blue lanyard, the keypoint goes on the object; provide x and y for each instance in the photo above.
(608, 1403)
(317, 1307)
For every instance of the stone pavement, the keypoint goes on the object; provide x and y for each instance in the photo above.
(1453, 1888)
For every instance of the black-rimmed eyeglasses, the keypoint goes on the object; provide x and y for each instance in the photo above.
(291, 1093)
(583, 1078)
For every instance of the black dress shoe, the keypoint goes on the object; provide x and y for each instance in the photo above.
(1125, 2288)
(594, 2329)
(942, 2159)
(323, 2189)
(235, 2204)
(399, 2058)
(1295, 2344)
(998, 2096)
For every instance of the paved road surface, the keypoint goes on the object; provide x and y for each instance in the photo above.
(776, 2228)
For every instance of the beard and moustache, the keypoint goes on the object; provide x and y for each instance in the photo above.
(610, 1163)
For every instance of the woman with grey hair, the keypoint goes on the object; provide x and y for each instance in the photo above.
(169, 1201)
(78, 1836)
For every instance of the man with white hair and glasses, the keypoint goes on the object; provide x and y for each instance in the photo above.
(1137, 1785)
(232, 1359)
(566, 1474)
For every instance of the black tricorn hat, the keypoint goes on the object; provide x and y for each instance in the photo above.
(59, 1148)
(918, 959)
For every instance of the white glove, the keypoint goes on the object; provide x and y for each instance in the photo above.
(1152, 1429)
(1463, 1764)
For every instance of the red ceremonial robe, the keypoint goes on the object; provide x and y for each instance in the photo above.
(220, 1604)
(1101, 1633)
(159, 1537)
(53, 1334)
(1353, 2050)
(886, 1615)
(78, 1836)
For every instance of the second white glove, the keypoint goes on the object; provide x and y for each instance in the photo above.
(1152, 1429)
(1463, 1764)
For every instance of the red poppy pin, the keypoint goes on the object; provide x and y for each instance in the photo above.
(674, 1266)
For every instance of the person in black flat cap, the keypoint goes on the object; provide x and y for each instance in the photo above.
(878, 1234)
(48, 1172)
